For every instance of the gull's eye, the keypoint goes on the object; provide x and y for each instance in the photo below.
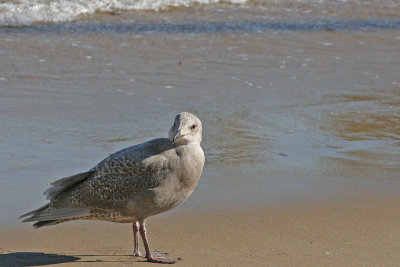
(193, 127)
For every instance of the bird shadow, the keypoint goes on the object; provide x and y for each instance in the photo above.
(18, 259)
(33, 259)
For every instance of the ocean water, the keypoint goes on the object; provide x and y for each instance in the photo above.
(300, 100)
(26, 12)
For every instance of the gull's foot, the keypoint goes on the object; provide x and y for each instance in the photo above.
(161, 259)
(154, 254)
(138, 254)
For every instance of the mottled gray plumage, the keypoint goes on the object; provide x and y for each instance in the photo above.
(132, 184)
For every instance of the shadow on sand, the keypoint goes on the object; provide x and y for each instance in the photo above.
(17, 259)
(33, 259)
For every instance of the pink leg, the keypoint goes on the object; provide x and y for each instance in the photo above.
(150, 257)
(135, 228)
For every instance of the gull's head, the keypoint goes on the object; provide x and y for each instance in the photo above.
(186, 129)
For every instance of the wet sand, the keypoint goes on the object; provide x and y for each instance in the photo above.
(353, 232)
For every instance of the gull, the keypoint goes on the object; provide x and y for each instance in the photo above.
(131, 185)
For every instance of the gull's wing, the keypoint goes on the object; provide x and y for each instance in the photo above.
(122, 175)
(109, 185)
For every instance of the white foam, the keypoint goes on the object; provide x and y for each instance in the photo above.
(26, 12)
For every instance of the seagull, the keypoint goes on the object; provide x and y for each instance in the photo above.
(131, 185)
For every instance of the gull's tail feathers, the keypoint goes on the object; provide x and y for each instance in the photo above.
(36, 211)
(44, 223)
(51, 215)
(59, 209)
(58, 214)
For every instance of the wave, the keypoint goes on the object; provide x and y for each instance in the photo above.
(27, 12)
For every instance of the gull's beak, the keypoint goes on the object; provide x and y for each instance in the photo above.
(178, 135)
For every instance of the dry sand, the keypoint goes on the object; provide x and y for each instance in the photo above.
(361, 232)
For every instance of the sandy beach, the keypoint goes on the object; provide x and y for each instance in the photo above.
(356, 232)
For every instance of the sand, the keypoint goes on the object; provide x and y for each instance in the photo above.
(356, 232)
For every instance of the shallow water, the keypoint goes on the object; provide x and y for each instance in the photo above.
(300, 100)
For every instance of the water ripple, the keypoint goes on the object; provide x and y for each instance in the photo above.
(201, 27)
